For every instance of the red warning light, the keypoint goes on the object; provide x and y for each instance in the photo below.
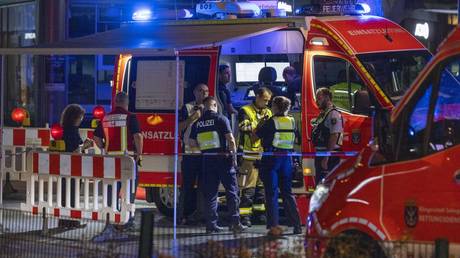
(57, 131)
(18, 115)
(98, 112)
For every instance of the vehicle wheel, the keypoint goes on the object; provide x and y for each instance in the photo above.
(353, 244)
(164, 199)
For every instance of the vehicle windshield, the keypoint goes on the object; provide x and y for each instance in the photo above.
(394, 72)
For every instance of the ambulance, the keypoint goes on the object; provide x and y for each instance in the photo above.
(366, 61)
(406, 185)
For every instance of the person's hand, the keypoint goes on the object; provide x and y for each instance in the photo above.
(324, 162)
(88, 143)
(138, 159)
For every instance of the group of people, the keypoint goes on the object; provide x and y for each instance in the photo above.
(255, 178)
(263, 167)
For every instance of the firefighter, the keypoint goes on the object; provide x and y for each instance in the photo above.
(120, 134)
(278, 136)
(252, 196)
(213, 135)
(191, 164)
(327, 133)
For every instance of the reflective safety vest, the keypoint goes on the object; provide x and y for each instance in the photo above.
(208, 140)
(252, 148)
(186, 139)
(116, 133)
(284, 132)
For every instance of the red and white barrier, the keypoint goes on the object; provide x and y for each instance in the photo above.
(94, 173)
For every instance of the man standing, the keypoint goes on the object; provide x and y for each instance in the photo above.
(120, 134)
(191, 163)
(249, 118)
(224, 93)
(278, 136)
(327, 133)
(294, 84)
(213, 135)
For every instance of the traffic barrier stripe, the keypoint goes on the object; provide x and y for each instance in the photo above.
(77, 166)
(89, 172)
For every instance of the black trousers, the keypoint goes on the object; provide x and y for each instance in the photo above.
(320, 173)
(190, 198)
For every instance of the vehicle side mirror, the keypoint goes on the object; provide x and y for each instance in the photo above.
(383, 134)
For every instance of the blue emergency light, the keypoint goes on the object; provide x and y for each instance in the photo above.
(142, 15)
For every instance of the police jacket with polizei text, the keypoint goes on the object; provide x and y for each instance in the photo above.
(267, 133)
(321, 132)
(211, 124)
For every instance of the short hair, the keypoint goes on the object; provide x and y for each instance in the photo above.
(289, 70)
(222, 67)
(208, 99)
(263, 90)
(282, 103)
(121, 98)
(199, 84)
(71, 114)
(324, 91)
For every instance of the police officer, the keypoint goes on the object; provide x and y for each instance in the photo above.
(278, 136)
(120, 134)
(191, 164)
(327, 133)
(248, 119)
(213, 135)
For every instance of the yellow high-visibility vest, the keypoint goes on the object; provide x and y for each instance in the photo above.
(208, 140)
(284, 135)
(248, 145)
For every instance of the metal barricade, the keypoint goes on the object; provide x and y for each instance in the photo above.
(93, 173)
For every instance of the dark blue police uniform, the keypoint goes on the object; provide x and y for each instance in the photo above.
(209, 131)
(278, 136)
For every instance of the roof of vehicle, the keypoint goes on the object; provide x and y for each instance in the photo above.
(368, 34)
(450, 46)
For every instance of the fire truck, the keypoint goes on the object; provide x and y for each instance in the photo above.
(406, 184)
(366, 61)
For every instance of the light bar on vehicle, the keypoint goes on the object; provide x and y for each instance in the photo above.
(142, 15)
(333, 9)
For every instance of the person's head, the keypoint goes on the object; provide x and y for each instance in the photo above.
(200, 92)
(263, 96)
(267, 75)
(323, 98)
(72, 115)
(289, 74)
(281, 105)
(224, 73)
(210, 103)
(122, 100)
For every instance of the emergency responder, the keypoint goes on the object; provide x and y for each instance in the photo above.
(213, 135)
(120, 134)
(278, 136)
(294, 84)
(225, 76)
(327, 133)
(252, 196)
(191, 164)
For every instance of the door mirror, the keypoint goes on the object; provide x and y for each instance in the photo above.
(362, 102)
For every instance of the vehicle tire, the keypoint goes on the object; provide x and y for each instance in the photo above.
(164, 199)
(353, 244)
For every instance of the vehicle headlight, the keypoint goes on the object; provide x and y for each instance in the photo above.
(319, 196)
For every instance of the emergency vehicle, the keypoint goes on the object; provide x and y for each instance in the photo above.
(219, 9)
(365, 60)
(405, 185)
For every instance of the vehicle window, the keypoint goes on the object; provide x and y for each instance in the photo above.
(395, 71)
(195, 70)
(413, 135)
(445, 129)
(348, 90)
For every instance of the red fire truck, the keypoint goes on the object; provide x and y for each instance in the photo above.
(365, 60)
(407, 186)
